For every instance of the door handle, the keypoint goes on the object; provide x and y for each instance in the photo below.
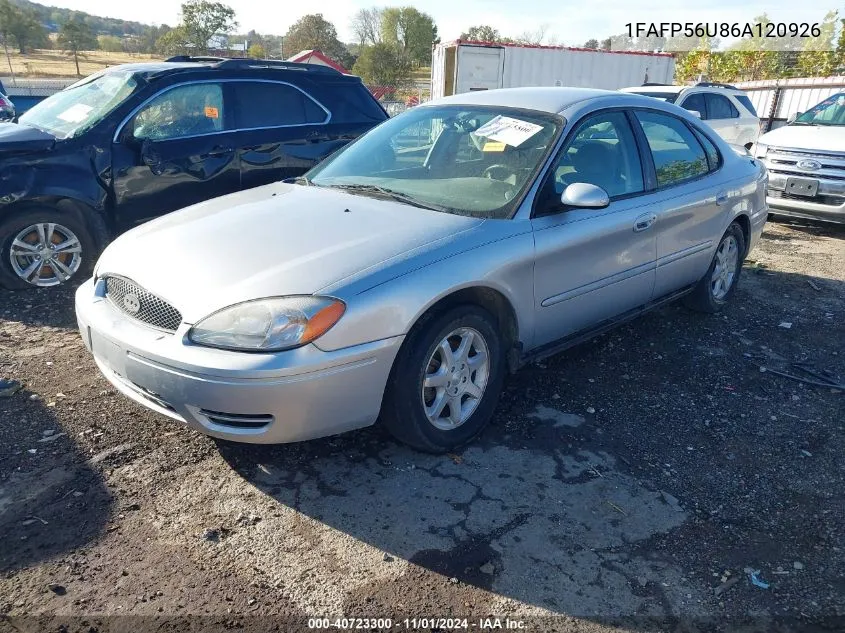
(644, 222)
(721, 198)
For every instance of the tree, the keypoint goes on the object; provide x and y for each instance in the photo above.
(314, 32)
(592, 43)
(384, 64)
(8, 15)
(110, 43)
(818, 56)
(412, 31)
(256, 51)
(202, 20)
(482, 33)
(174, 42)
(366, 25)
(27, 30)
(76, 36)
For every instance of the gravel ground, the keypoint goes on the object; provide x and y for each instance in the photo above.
(634, 482)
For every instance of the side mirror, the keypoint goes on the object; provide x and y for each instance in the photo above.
(695, 113)
(584, 196)
(793, 116)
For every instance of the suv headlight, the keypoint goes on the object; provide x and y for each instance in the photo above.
(268, 325)
(758, 150)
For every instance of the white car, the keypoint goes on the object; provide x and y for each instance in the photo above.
(726, 109)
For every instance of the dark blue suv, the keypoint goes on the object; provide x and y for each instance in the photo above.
(139, 140)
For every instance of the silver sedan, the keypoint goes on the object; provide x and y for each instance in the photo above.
(401, 279)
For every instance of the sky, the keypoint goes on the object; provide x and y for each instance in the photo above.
(569, 22)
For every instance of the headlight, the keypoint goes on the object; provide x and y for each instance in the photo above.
(758, 150)
(268, 325)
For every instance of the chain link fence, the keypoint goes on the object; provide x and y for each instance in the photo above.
(396, 99)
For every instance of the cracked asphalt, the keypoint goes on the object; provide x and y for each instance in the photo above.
(632, 483)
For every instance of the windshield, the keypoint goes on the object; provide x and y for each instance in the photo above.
(75, 109)
(831, 111)
(466, 160)
(668, 97)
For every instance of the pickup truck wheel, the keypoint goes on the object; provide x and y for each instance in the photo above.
(719, 283)
(446, 381)
(43, 247)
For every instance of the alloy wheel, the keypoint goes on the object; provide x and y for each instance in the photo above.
(455, 378)
(724, 272)
(45, 254)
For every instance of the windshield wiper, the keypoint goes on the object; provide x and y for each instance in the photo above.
(298, 180)
(390, 193)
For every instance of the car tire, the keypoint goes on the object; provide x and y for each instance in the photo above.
(67, 228)
(410, 408)
(718, 285)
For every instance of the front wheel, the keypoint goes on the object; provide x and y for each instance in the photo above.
(446, 381)
(43, 247)
(719, 284)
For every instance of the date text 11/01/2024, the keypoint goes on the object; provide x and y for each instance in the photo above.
(723, 29)
(426, 624)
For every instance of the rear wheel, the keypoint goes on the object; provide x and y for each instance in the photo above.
(42, 248)
(446, 381)
(717, 287)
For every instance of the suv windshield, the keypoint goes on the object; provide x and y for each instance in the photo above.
(831, 111)
(468, 160)
(78, 107)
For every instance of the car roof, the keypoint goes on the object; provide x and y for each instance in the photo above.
(180, 64)
(545, 99)
(666, 89)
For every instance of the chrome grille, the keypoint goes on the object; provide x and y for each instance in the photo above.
(143, 306)
(782, 160)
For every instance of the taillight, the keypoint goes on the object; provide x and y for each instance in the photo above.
(4, 101)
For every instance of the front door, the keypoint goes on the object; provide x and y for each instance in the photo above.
(593, 264)
(177, 150)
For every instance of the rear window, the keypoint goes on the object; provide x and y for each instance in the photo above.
(746, 103)
(268, 104)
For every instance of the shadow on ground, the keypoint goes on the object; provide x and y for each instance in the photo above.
(598, 464)
(52, 499)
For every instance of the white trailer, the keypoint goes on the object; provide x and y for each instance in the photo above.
(462, 66)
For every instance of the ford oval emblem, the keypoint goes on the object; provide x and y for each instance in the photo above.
(808, 164)
(131, 303)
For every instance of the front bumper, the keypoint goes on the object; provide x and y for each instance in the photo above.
(809, 208)
(287, 396)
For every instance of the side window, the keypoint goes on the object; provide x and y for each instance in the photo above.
(696, 102)
(719, 107)
(678, 156)
(746, 103)
(604, 153)
(187, 110)
(264, 104)
(714, 159)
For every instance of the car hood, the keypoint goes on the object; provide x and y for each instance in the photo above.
(15, 137)
(275, 240)
(815, 137)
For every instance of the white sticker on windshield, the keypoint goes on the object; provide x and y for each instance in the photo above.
(75, 113)
(507, 130)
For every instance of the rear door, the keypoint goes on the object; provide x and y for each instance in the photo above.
(690, 211)
(479, 68)
(176, 150)
(282, 131)
(723, 116)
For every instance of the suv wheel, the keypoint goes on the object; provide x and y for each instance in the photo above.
(42, 248)
(719, 284)
(446, 381)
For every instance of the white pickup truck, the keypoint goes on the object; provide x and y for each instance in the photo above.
(806, 163)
